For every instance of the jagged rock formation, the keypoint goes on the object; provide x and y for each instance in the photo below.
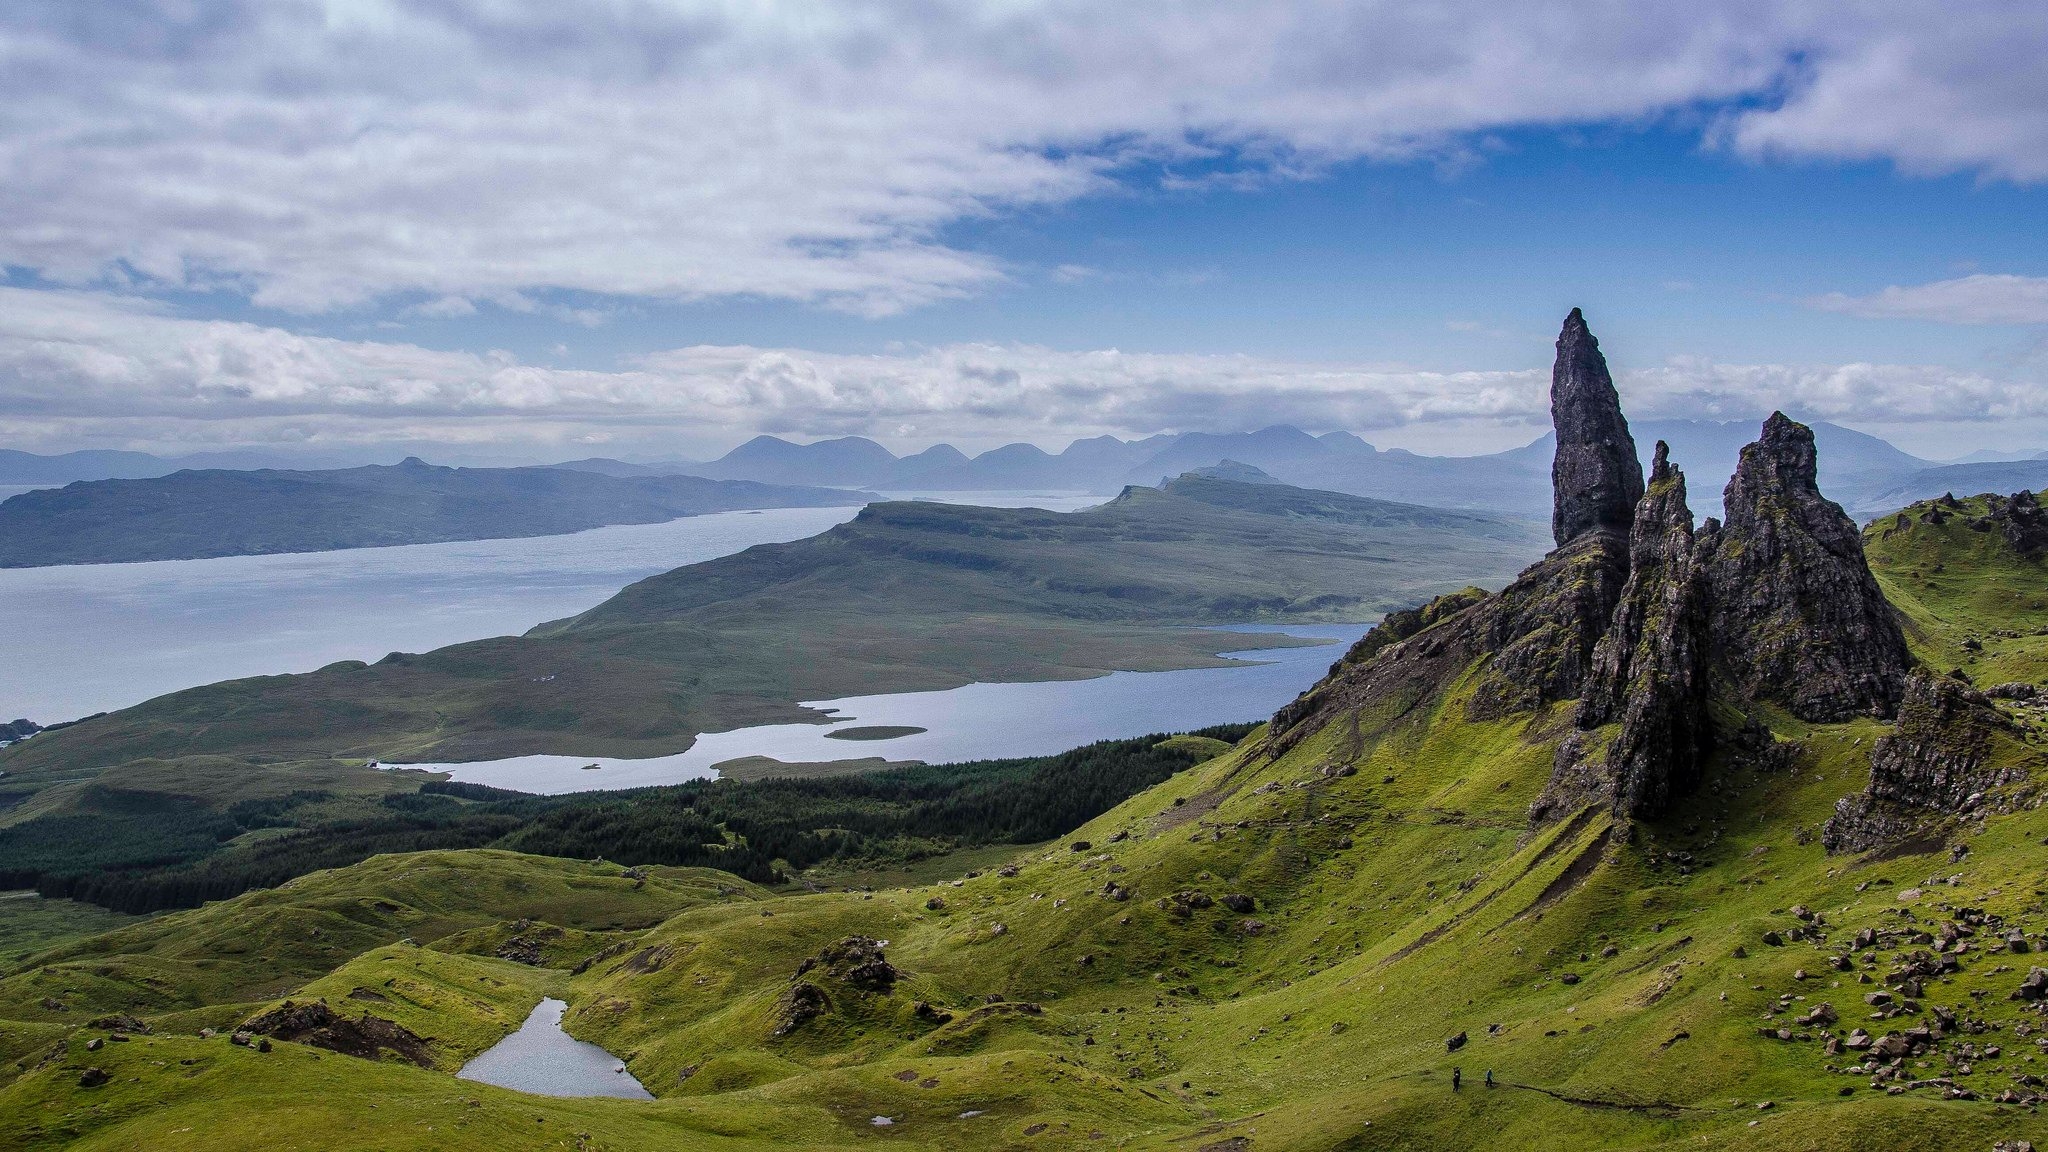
(1637, 618)
(1647, 672)
(1932, 765)
(1795, 617)
(1596, 478)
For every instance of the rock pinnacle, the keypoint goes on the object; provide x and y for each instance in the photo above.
(1596, 478)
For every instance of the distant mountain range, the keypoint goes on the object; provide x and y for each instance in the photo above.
(218, 512)
(1862, 472)
(1865, 474)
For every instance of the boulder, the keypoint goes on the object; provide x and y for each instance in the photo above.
(2033, 987)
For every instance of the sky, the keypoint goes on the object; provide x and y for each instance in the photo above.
(650, 229)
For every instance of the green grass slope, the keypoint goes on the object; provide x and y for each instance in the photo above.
(266, 943)
(1970, 600)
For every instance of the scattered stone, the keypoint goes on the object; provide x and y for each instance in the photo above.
(1455, 1042)
(2034, 987)
(92, 1078)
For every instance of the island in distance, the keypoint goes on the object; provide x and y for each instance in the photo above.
(219, 512)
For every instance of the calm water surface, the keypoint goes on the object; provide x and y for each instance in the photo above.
(84, 638)
(542, 1059)
(976, 722)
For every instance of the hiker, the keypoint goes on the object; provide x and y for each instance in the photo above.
(1489, 1077)
(1457, 1078)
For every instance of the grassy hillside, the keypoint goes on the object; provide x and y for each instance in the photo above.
(217, 512)
(270, 942)
(1258, 953)
(1971, 601)
(907, 597)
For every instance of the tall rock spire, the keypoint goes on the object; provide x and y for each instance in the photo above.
(1795, 616)
(1648, 673)
(1596, 478)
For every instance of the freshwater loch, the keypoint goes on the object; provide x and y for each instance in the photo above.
(973, 722)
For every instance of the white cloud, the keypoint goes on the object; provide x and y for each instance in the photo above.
(90, 368)
(1934, 88)
(1979, 299)
(318, 155)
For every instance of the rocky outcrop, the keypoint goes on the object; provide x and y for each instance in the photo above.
(1535, 640)
(857, 962)
(366, 1037)
(2021, 521)
(1596, 478)
(1932, 766)
(1795, 617)
(1648, 673)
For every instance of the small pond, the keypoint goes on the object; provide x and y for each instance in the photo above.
(542, 1059)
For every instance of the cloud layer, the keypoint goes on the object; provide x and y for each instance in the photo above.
(1980, 299)
(317, 154)
(82, 367)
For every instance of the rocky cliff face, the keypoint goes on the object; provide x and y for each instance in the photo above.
(1932, 765)
(1596, 478)
(1795, 617)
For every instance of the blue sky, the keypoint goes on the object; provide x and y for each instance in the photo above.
(689, 222)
